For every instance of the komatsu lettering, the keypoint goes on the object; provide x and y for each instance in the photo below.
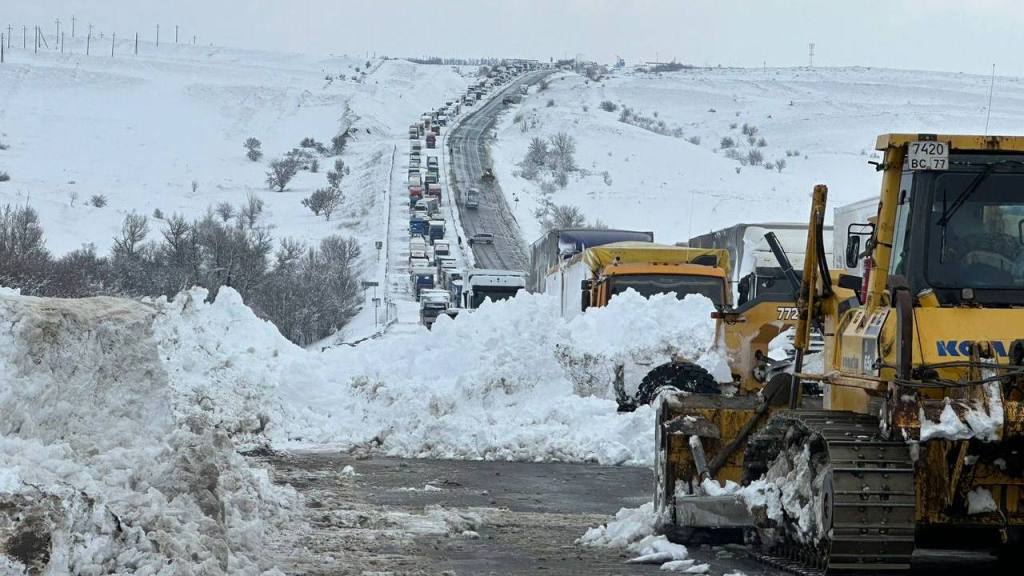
(963, 347)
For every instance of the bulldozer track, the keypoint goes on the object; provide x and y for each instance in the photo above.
(866, 500)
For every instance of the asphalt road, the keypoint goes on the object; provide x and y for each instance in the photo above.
(525, 518)
(469, 153)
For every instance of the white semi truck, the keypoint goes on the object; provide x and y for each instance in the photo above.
(854, 219)
(483, 284)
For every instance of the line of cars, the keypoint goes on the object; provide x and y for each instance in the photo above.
(432, 265)
(439, 285)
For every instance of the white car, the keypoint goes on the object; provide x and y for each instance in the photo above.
(482, 238)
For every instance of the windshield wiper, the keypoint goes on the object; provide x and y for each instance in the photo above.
(948, 212)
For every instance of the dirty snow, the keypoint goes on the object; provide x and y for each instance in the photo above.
(103, 466)
(982, 420)
(980, 501)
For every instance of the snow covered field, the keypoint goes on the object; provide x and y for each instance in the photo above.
(827, 119)
(142, 129)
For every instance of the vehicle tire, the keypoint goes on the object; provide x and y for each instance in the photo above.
(682, 376)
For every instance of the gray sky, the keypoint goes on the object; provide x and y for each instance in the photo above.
(954, 35)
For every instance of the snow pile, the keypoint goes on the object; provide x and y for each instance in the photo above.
(487, 385)
(791, 489)
(982, 419)
(634, 530)
(980, 501)
(629, 525)
(659, 329)
(948, 427)
(100, 475)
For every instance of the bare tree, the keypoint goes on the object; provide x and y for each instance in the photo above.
(225, 210)
(537, 153)
(562, 217)
(133, 231)
(334, 176)
(252, 149)
(563, 150)
(281, 173)
(324, 201)
(250, 212)
(24, 259)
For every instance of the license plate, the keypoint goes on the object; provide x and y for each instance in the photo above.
(930, 155)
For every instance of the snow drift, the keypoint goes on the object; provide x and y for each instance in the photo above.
(100, 475)
(489, 385)
(118, 449)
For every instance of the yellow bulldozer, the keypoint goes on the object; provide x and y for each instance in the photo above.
(919, 439)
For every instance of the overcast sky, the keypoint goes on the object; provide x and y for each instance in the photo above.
(954, 35)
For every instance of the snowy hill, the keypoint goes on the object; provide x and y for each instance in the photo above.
(142, 129)
(682, 183)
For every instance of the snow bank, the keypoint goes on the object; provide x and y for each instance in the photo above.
(633, 529)
(628, 526)
(100, 474)
(488, 385)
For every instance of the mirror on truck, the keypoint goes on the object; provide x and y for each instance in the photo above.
(585, 286)
(854, 233)
(852, 250)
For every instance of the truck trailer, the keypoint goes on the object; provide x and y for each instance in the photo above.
(749, 251)
(557, 246)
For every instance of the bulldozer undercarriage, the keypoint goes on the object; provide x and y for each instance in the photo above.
(847, 499)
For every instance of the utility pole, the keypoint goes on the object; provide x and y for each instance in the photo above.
(157, 34)
(8, 36)
(24, 35)
(136, 43)
(37, 41)
(175, 33)
(193, 39)
(61, 42)
(88, 42)
(810, 55)
(113, 38)
(72, 26)
(1, 48)
(991, 86)
(57, 35)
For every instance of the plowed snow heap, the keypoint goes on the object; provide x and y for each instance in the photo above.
(98, 473)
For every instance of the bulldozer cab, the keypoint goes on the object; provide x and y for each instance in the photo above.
(959, 230)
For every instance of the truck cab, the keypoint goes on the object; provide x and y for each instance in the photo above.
(436, 230)
(433, 303)
(653, 278)
(434, 191)
(423, 278)
(418, 226)
(482, 285)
